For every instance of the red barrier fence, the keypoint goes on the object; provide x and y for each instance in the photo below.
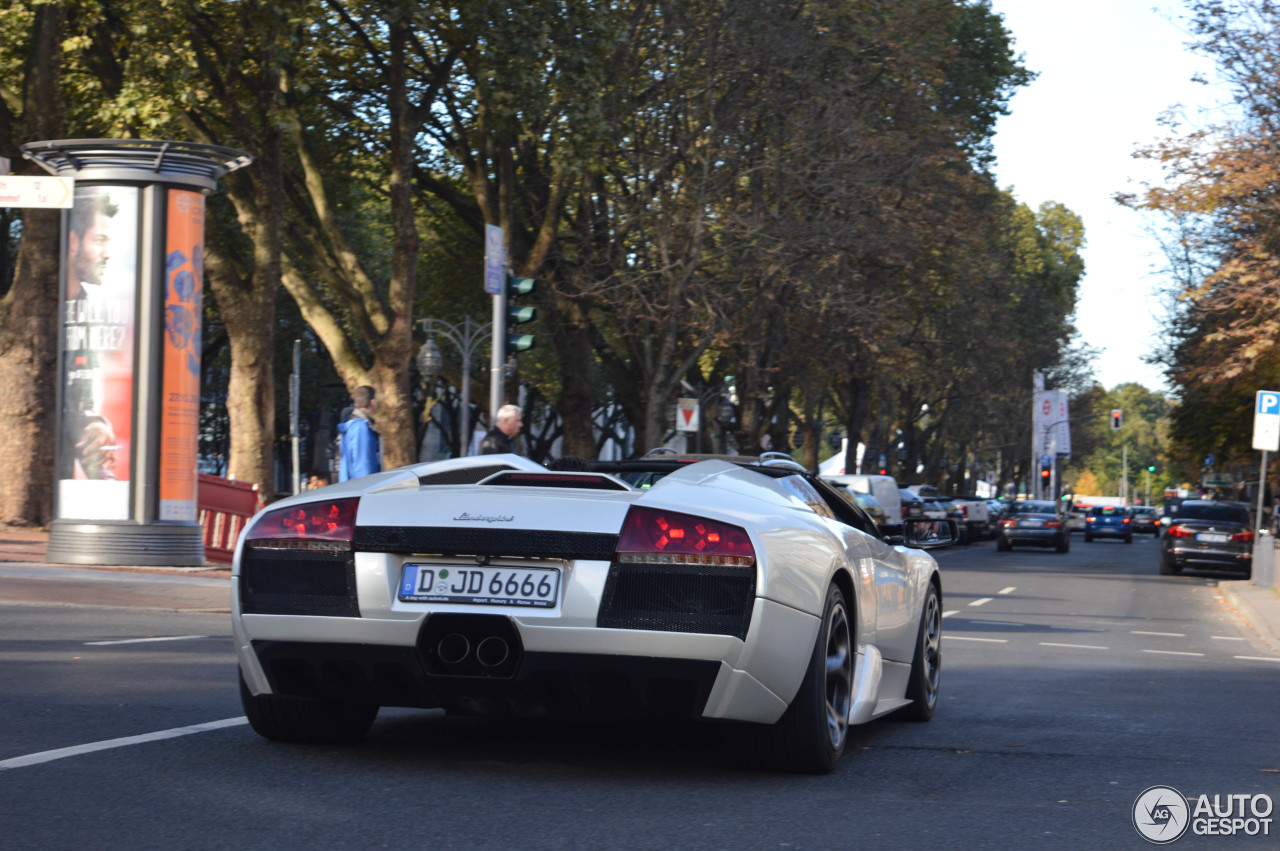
(224, 508)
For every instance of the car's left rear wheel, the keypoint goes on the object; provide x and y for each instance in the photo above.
(292, 719)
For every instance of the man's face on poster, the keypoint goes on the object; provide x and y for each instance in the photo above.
(90, 252)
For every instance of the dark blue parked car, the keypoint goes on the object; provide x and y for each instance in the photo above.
(1108, 521)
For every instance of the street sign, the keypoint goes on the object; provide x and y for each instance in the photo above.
(1266, 421)
(495, 260)
(47, 192)
(687, 415)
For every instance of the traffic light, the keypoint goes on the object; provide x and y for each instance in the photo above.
(518, 314)
(1117, 419)
(1044, 472)
(1151, 469)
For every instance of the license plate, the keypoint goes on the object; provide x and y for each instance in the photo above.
(1033, 524)
(522, 587)
(1212, 538)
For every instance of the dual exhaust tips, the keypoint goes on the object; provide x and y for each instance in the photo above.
(455, 649)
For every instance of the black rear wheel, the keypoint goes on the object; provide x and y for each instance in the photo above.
(811, 734)
(292, 719)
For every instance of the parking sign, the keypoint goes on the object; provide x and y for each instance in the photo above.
(1266, 421)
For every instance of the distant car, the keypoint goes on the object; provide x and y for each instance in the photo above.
(1033, 523)
(1108, 521)
(871, 505)
(912, 505)
(1145, 519)
(1209, 535)
(1075, 518)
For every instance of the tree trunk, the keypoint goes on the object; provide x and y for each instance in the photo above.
(29, 311)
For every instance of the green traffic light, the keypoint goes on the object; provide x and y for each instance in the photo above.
(521, 313)
(519, 343)
(520, 286)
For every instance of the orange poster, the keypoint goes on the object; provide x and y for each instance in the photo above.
(180, 397)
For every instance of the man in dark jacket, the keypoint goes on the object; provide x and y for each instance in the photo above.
(360, 447)
(501, 438)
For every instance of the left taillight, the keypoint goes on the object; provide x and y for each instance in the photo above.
(651, 536)
(328, 525)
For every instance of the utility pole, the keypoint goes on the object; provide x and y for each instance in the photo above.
(1124, 474)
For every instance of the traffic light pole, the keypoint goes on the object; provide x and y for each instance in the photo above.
(499, 350)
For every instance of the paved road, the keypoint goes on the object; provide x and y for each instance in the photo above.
(1071, 684)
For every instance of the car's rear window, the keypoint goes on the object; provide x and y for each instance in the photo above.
(1224, 513)
(1109, 511)
(1033, 508)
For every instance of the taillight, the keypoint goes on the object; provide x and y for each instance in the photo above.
(667, 537)
(327, 525)
(1126, 520)
(1244, 537)
(1009, 524)
(1181, 532)
(1052, 524)
(964, 511)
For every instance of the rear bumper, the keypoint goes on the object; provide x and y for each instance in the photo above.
(1210, 557)
(1032, 537)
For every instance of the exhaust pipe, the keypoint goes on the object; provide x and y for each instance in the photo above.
(492, 652)
(453, 648)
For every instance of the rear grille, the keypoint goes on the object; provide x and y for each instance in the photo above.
(463, 475)
(523, 543)
(709, 599)
(298, 582)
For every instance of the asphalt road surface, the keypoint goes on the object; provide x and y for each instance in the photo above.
(1071, 684)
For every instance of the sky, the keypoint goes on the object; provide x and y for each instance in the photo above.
(1107, 70)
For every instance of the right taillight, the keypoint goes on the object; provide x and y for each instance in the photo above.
(328, 525)
(653, 536)
(1245, 537)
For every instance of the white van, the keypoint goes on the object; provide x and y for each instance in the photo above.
(883, 488)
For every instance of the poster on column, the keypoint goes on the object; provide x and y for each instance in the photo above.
(180, 397)
(99, 296)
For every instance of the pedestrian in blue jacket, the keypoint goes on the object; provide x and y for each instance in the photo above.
(360, 447)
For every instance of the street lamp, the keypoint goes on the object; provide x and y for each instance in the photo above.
(468, 338)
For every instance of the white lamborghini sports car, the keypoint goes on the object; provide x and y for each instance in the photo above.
(717, 588)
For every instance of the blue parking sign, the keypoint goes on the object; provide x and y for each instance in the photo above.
(1266, 421)
(1268, 402)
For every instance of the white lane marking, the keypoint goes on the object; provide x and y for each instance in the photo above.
(998, 623)
(1226, 638)
(1078, 646)
(78, 750)
(1250, 658)
(1173, 652)
(950, 613)
(1008, 590)
(1076, 628)
(143, 640)
(981, 601)
(1165, 634)
(951, 637)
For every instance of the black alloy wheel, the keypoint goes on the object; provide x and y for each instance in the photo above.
(926, 665)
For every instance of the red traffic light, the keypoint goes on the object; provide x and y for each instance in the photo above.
(1044, 474)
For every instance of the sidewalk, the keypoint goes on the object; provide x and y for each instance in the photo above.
(26, 578)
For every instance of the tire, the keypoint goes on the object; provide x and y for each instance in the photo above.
(1128, 539)
(1088, 539)
(1168, 567)
(810, 736)
(1064, 545)
(292, 719)
(1002, 545)
(926, 664)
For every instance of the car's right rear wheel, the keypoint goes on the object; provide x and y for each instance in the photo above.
(293, 719)
(1003, 545)
(811, 734)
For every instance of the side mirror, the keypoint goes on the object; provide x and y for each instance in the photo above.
(925, 534)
